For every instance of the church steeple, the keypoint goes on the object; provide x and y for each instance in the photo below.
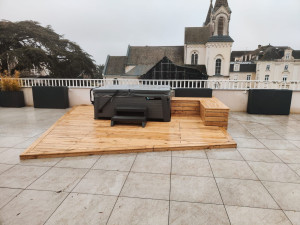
(220, 18)
(220, 3)
(208, 17)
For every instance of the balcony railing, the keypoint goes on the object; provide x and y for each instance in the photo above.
(214, 84)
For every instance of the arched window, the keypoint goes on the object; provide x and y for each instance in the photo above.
(220, 26)
(194, 58)
(218, 66)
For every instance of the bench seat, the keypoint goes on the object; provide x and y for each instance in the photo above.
(212, 111)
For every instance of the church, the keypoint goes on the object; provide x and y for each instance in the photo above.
(206, 54)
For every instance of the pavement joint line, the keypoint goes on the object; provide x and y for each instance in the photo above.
(218, 190)
(111, 212)
(270, 194)
(71, 190)
(27, 185)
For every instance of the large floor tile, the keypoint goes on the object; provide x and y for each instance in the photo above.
(83, 209)
(279, 144)
(257, 155)
(21, 176)
(4, 167)
(291, 136)
(274, 172)
(31, 207)
(78, 162)
(256, 216)
(190, 154)
(40, 162)
(3, 149)
(136, 211)
(191, 166)
(183, 213)
(194, 189)
(11, 141)
(152, 164)
(294, 217)
(6, 194)
(102, 182)
(161, 154)
(232, 169)
(115, 162)
(248, 143)
(143, 185)
(245, 193)
(11, 156)
(295, 167)
(231, 154)
(28, 142)
(59, 179)
(288, 156)
(287, 195)
(297, 143)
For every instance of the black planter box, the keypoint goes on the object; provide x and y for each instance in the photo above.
(192, 92)
(269, 102)
(13, 99)
(51, 97)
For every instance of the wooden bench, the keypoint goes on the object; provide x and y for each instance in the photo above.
(212, 111)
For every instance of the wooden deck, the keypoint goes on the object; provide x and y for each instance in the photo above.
(78, 134)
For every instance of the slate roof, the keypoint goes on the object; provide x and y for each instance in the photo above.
(220, 3)
(150, 55)
(115, 65)
(220, 39)
(235, 54)
(139, 70)
(209, 14)
(244, 68)
(296, 54)
(197, 35)
(269, 52)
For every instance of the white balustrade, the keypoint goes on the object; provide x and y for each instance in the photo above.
(214, 84)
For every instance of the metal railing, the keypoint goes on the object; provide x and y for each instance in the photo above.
(214, 84)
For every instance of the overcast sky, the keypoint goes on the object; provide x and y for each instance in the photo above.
(103, 27)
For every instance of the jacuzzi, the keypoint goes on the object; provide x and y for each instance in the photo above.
(155, 98)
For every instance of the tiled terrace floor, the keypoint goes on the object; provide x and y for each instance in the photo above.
(259, 183)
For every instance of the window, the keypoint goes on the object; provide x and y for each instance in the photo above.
(267, 77)
(286, 67)
(195, 58)
(218, 66)
(284, 78)
(268, 67)
(287, 56)
(236, 67)
(220, 26)
(248, 77)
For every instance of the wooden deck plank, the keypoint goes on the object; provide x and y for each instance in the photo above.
(78, 134)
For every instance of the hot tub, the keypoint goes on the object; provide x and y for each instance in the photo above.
(155, 98)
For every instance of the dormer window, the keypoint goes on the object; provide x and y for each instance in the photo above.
(284, 78)
(236, 67)
(287, 56)
(268, 67)
(194, 59)
(286, 67)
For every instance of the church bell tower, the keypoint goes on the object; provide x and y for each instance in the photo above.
(218, 47)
